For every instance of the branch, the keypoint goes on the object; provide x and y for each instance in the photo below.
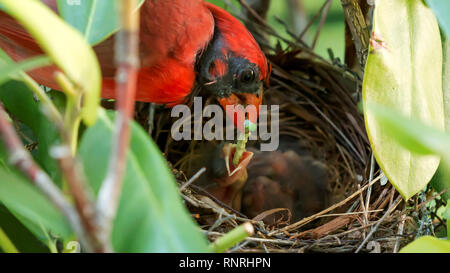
(70, 167)
(83, 200)
(358, 28)
(254, 9)
(127, 60)
(323, 18)
(20, 158)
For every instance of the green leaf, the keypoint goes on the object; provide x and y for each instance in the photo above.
(18, 100)
(151, 216)
(22, 198)
(427, 244)
(442, 10)
(95, 19)
(410, 133)
(20, 234)
(415, 137)
(446, 214)
(438, 181)
(441, 181)
(404, 72)
(446, 83)
(65, 46)
(9, 70)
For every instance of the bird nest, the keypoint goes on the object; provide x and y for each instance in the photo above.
(321, 191)
(333, 193)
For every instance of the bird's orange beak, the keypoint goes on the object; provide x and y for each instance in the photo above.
(237, 109)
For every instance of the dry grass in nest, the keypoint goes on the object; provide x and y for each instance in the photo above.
(318, 108)
(319, 112)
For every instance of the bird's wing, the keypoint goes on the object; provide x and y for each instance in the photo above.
(174, 29)
(172, 33)
(169, 29)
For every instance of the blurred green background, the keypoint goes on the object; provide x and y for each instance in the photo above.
(331, 36)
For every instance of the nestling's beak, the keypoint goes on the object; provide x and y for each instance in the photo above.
(242, 106)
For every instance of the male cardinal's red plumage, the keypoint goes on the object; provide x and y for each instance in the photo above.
(183, 43)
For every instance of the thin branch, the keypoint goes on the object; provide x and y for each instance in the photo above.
(127, 60)
(193, 178)
(375, 228)
(399, 233)
(253, 13)
(307, 220)
(20, 158)
(323, 18)
(358, 28)
(310, 23)
(70, 167)
(82, 197)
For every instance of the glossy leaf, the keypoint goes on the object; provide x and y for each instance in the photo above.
(95, 19)
(415, 137)
(446, 214)
(19, 101)
(151, 216)
(22, 198)
(439, 182)
(442, 10)
(404, 73)
(65, 46)
(427, 244)
(411, 133)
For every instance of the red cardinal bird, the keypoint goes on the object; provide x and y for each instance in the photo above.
(183, 44)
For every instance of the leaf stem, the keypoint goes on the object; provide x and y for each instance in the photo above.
(233, 237)
(72, 171)
(49, 108)
(20, 157)
(72, 117)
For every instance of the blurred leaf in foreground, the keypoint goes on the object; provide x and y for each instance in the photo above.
(414, 136)
(427, 244)
(65, 46)
(151, 216)
(96, 20)
(24, 200)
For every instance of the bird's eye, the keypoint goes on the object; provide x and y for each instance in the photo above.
(248, 76)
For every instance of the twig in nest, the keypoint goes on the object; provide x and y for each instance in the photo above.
(315, 216)
(127, 60)
(193, 178)
(375, 228)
